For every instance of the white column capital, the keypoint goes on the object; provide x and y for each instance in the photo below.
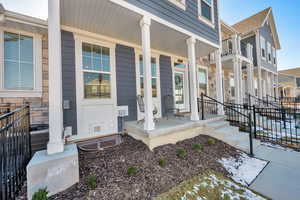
(191, 41)
(145, 21)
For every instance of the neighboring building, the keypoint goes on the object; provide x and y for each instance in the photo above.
(260, 31)
(289, 82)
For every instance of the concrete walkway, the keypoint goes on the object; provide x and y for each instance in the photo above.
(281, 177)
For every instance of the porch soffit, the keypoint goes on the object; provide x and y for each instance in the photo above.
(108, 19)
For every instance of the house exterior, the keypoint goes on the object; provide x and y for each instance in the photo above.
(289, 83)
(149, 48)
(260, 31)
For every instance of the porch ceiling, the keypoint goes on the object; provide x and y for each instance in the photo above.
(108, 19)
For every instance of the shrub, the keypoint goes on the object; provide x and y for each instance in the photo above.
(132, 171)
(41, 194)
(92, 181)
(162, 162)
(211, 141)
(197, 147)
(181, 153)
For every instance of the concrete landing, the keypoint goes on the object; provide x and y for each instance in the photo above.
(280, 179)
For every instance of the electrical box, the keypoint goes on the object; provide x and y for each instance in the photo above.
(122, 111)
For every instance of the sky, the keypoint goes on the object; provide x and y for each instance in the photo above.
(286, 13)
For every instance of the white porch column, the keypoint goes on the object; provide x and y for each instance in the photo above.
(259, 70)
(219, 82)
(272, 85)
(241, 82)
(277, 86)
(236, 66)
(235, 47)
(193, 83)
(250, 79)
(55, 144)
(145, 29)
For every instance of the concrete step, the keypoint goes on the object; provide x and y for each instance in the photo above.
(217, 124)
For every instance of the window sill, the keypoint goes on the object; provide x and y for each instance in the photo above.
(19, 93)
(206, 21)
(179, 4)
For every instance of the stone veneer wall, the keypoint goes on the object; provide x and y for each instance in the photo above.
(38, 105)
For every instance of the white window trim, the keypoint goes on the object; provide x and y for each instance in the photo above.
(180, 3)
(37, 66)
(269, 47)
(207, 83)
(263, 46)
(274, 56)
(210, 23)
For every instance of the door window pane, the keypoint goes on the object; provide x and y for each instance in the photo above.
(179, 88)
(18, 62)
(153, 74)
(96, 85)
(202, 81)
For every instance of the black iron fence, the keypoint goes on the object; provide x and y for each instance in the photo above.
(237, 115)
(15, 151)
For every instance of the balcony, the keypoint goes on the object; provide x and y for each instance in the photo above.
(243, 49)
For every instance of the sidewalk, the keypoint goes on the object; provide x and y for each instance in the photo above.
(280, 179)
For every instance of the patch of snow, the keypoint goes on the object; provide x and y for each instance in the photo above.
(228, 189)
(244, 169)
(276, 146)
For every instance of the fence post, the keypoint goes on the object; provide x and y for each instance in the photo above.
(202, 106)
(283, 116)
(250, 135)
(254, 120)
(249, 99)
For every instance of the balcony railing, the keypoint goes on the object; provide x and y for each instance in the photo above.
(228, 48)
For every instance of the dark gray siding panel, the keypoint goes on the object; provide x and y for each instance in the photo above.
(265, 31)
(126, 81)
(69, 79)
(166, 79)
(252, 40)
(187, 19)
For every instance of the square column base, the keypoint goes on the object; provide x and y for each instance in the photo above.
(57, 172)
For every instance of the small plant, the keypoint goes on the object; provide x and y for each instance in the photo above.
(197, 147)
(181, 153)
(211, 141)
(162, 162)
(92, 181)
(41, 194)
(131, 171)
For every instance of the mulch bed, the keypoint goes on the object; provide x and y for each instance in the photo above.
(111, 168)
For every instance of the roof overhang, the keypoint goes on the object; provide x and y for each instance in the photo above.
(270, 18)
(121, 22)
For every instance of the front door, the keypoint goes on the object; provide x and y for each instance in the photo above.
(96, 89)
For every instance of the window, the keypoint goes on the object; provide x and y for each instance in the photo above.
(153, 74)
(232, 88)
(269, 53)
(18, 62)
(263, 47)
(21, 67)
(274, 55)
(202, 81)
(96, 71)
(179, 3)
(205, 10)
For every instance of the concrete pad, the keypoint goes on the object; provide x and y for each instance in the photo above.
(57, 172)
(282, 157)
(278, 182)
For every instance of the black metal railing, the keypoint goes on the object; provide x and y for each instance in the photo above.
(278, 125)
(237, 115)
(15, 150)
(7, 107)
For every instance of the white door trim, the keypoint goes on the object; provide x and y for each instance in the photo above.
(157, 100)
(79, 39)
(186, 81)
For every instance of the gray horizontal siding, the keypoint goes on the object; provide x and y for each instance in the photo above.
(265, 31)
(252, 41)
(69, 79)
(166, 79)
(187, 19)
(126, 80)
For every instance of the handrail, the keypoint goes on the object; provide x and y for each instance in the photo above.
(12, 112)
(261, 100)
(224, 105)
